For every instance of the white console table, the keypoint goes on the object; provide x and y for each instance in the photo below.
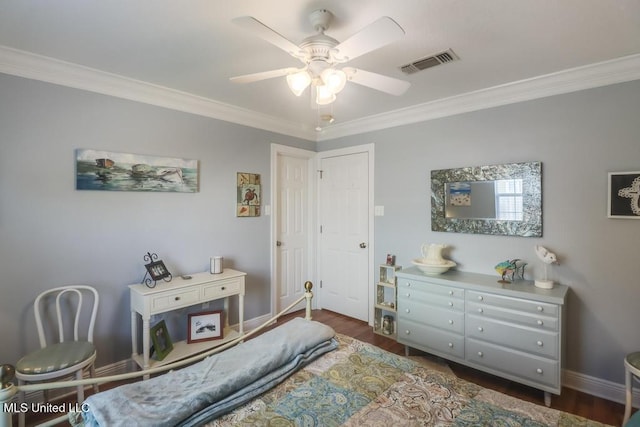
(181, 293)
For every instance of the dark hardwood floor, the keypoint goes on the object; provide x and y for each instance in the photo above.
(571, 401)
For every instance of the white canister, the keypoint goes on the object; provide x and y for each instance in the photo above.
(216, 265)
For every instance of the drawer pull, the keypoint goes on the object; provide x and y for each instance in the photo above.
(539, 371)
(480, 298)
(540, 343)
(450, 292)
(450, 345)
(223, 288)
(480, 310)
(408, 294)
(177, 298)
(407, 332)
(480, 354)
(450, 322)
(450, 304)
(540, 309)
(480, 328)
(540, 322)
(408, 311)
(408, 284)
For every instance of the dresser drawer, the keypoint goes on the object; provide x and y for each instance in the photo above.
(543, 343)
(431, 288)
(517, 304)
(172, 300)
(536, 320)
(447, 319)
(520, 365)
(419, 296)
(222, 288)
(428, 338)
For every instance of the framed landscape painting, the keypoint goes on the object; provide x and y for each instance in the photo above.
(112, 171)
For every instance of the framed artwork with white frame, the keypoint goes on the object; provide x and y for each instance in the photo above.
(624, 195)
(205, 326)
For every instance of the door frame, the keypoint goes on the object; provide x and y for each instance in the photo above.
(276, 150)
(370, 150)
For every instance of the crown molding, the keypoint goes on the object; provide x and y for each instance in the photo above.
(29, 65)
(605, 73)
(37, 67)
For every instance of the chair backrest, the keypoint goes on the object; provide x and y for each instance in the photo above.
(65, 297)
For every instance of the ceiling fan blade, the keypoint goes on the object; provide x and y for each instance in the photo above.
(380, 33)
(264, 75)
(258, 28)
(386, 84)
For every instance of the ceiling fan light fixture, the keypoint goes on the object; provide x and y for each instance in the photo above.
(298, 82)
(334, 79)
(324, 95)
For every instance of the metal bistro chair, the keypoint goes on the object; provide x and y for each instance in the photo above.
(632, 370)
(66, 356)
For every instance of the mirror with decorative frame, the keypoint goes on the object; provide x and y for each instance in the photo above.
(496, 199)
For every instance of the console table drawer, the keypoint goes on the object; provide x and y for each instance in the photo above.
(221, 289)
(172, 300)
(526, 306)
(521, 365)
(426, 337)
(543, 343)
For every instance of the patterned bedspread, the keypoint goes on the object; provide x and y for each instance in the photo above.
(361, 385)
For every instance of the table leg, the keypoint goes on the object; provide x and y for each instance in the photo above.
(134, 334)
(145, 345)
(241, 313)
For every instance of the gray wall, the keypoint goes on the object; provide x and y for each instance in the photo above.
(579, 138)
(53, 235)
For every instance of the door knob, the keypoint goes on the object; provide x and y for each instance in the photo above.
(278, 243)
(363, 245)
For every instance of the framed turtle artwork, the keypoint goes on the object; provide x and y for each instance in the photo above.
(249, 197)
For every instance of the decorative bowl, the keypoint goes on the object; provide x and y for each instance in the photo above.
(432, 269)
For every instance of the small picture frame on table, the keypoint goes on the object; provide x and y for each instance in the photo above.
(204, 326)
(161, 340)
(391, 259)
(157, 270)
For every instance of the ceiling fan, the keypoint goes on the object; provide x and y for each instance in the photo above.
(323, 57)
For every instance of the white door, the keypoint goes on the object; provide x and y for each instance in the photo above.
(344, 219)
(292, 221)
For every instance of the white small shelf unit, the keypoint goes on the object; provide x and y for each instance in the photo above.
(385, 302)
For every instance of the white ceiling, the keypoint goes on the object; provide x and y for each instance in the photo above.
(193, 48)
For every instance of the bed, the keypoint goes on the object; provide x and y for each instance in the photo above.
(332, 380)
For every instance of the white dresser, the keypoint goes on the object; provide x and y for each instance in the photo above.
(181, 293)
(511, 330)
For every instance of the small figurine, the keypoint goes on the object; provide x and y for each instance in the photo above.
(548, 258)
(510, 268)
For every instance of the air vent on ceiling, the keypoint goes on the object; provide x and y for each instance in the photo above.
(430, 61)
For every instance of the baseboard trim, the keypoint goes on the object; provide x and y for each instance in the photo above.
(598, 387)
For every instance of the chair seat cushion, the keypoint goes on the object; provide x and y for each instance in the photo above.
(55, 357)
(633, 359)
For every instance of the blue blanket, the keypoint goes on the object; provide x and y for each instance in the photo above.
(218, 384)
